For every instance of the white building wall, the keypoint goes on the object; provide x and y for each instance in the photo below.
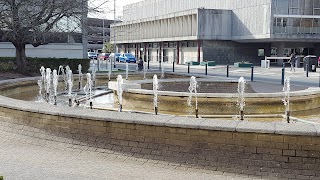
(189, 54)
(251, 18)
(54, 50)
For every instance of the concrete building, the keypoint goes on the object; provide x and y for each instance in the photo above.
(98, 33)
(224, 31)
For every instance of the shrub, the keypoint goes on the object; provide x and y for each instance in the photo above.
(8, 64)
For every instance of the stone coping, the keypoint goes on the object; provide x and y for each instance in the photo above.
(135, 87)
(159, 120)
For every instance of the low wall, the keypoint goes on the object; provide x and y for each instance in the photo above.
(277, 149)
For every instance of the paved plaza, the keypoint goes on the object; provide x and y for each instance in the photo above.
(26, 157)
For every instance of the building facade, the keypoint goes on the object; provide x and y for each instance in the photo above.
(224, 31)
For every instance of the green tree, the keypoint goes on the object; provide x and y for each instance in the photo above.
(108, 47)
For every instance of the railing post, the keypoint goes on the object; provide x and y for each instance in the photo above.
(283, 71)
(228, 70)
(173, 66)
(188, 67)
(252, 67)
(206, 68)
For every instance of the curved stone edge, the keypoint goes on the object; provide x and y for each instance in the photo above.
(164, 120)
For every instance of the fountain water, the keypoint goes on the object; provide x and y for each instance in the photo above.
(162, 70)
(241, 100)
(48, 84)
(286, 98)
(63, 75)
(120, 90)
(127, 70)
(80, 76)
(109, 68)
(70, 85)
(55, 85)
(88, 89)
(41, 82)
(94, 71)
(66, 75)
(193, 90)
(145, 70)
(155, 92)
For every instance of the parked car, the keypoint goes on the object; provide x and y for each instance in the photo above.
(127, 57)
(92, 55)
(103, 56)
(114, 54)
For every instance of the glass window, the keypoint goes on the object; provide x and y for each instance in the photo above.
(260, 52)
(282, 7)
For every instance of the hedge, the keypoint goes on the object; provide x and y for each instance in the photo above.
(8, 64)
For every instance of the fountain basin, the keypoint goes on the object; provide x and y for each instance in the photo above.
(252, 147)
(138, 95)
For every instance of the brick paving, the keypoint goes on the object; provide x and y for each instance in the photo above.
(37, 157)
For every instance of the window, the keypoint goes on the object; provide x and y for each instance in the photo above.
(260, 52)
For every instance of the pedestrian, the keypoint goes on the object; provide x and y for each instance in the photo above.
(292, 61)
(319, 61)
(140, 64)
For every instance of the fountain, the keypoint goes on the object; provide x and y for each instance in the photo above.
(127, 70)
(41, 83)
(48, 84)
(286, 98)
(241, 101)
(109, 68)
(55, 85)
(155, 92)
(80, 76)
(162, 70)
(88, 89)
(94, 70)
(145, 69)
(193, 90)
(119, 91)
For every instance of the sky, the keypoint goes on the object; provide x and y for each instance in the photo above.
(107, 8)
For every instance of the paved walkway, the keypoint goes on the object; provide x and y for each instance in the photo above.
(26, 157)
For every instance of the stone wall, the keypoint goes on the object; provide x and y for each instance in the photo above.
(258, 149)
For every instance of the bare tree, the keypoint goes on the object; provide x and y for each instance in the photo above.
(25, 22)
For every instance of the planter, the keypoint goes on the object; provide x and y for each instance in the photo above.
(240, 64)
(192, 63)
(210, 63)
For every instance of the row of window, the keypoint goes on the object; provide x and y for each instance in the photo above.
(298, 7)
(168, 44)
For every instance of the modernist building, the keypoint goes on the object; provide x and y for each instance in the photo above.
(98, 33)
(225, 31)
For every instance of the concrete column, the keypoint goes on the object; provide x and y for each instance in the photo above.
(199, 50)
(280, 50)
(178, 53)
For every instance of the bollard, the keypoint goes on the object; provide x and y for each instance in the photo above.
(228, 70)
(188, 67)
(98, 64)
(206, 68)
(282, 77)
(148, 64)
(70, 102)
(252, 67)
(173, 66)
(307, 70)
